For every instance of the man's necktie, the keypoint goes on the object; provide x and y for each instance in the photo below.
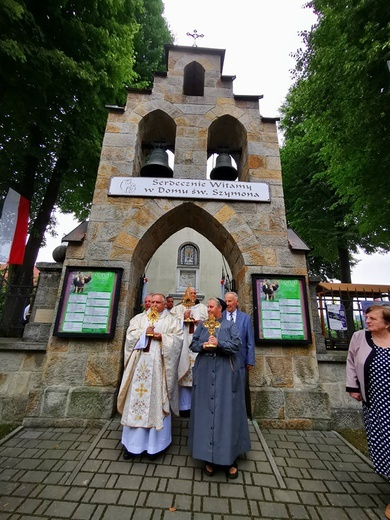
(231, 317)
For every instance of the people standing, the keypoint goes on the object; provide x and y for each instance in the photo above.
(169, 304)
(149, 390)
(147, 302)
(368, 381)
(219, 430)
(189, 314)
(244, 324)
(247, 350)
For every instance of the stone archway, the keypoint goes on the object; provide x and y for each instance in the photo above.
(244, 220)
(193, 215)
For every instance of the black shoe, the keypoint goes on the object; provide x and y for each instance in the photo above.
(153, 456)
(127, 455)
(232, 471)
(185, 413)
(209, 469)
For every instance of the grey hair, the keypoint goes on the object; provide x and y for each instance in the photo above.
(216, 300)
(160, 294)
(233, 293)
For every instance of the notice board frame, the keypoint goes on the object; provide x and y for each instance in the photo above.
(281, 317)
(88, 305)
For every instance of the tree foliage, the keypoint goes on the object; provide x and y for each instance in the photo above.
(336, 119)
(62, 61)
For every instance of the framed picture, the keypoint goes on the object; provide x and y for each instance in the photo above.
(89, 303)
(281, 314)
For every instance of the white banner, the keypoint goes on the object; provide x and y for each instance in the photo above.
(13, 228)
(189, 189)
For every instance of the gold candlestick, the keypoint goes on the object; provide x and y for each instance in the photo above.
(152, 316)
(211, 325)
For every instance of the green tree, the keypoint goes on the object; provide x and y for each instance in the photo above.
(336, 118)
(149, 41)
(61, 63)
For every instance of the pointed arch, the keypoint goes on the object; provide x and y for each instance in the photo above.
(156, 127)
(228, 134)
(193, 82)
(188, 214)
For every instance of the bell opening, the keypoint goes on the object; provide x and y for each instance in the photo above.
(224, 170)
(157, 165)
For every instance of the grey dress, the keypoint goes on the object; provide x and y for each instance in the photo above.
(219, 430)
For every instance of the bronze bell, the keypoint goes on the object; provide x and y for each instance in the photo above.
(157, 165)
(223, 171)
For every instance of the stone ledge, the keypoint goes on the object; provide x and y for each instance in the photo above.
(333, 357)
(20, 345)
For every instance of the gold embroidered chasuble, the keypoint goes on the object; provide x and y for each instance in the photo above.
(149, 387)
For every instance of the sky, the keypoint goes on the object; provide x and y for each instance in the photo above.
(259, 37)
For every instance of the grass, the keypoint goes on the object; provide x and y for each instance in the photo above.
(5, 429)
(357, 438)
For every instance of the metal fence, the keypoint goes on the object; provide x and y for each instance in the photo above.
(13, 301)
(341, 310)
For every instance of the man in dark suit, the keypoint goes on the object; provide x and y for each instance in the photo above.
(247, 350)
(244, 325)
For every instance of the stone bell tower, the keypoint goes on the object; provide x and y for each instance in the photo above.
(139, 201)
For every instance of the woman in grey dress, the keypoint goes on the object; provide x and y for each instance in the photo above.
(219, 430)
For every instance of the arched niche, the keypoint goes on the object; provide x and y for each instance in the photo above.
(193, 79)
(155, 129)
(227, 134)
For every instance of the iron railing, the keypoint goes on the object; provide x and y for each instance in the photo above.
(341, 313)
(13, 301)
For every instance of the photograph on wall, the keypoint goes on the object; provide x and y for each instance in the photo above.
(336, 316)
(280, 309)
(89, 303)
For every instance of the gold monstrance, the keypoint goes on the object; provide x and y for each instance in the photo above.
(188, 302)
(152, 316)
(211, 324)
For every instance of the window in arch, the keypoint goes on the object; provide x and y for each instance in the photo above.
(188, 255)
(193, 79)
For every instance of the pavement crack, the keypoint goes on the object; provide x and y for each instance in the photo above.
(269, 456)
(87, 454)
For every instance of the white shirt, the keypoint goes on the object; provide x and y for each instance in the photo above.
(229, 315)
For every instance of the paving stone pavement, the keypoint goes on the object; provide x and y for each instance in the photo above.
(79, 473)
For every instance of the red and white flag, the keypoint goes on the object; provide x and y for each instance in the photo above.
(13, 228)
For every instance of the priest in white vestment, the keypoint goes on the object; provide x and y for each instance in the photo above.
(195, 312)
(149, 388)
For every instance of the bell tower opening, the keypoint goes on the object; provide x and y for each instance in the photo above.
(193, 83)
(156, 141)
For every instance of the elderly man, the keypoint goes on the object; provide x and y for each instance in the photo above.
(244, 325)
(149, 389)
(147, 302)
(194, 314)
(247, 349)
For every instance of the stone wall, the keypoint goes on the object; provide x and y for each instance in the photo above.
(346, 413)
(21, 361)
(20, 374)
(275, 402)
